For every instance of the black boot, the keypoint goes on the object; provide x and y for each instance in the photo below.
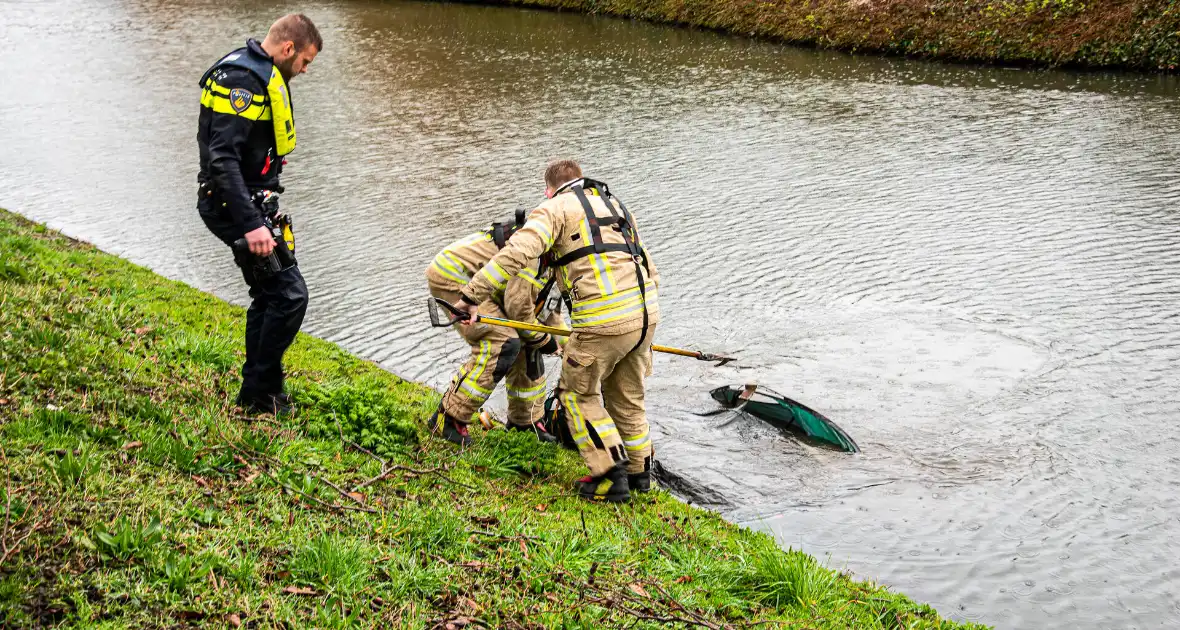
(537, 427)
(611, 486)
(639, 482)
(265, 403)
(450, 429)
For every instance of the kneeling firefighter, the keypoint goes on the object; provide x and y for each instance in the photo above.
(496, 353)
(610, 283)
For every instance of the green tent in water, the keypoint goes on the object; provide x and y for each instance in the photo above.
(783, 413)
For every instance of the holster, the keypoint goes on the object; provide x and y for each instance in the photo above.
(282, 257)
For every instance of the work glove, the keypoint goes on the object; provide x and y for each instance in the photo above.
(545, 344)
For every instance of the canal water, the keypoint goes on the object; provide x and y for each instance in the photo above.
(975, 271)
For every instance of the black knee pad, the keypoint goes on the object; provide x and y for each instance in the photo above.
(508, 354)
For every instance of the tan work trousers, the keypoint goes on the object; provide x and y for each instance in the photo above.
(497, 354)
(601, 390)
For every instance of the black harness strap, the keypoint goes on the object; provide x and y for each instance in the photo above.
(591, 220)
(626, 228)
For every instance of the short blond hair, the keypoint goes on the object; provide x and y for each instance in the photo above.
(560, 172)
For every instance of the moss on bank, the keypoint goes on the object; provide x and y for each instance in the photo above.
(136, 496)
(1132, 34)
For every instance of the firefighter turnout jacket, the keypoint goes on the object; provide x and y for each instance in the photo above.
(609, 281)
(246, 126)
(497, 353)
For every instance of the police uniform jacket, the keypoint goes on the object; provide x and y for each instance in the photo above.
(245, 126)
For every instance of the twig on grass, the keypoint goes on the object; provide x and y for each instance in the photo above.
(386, 469)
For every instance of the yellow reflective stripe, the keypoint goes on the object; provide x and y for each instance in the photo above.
(450, 266)
(529, 275)
(495, 275)
(623, 305)
(595, 303)
(534, 282)
(529, 394)
(283, 113)
(602, 270)
(611, 314)
(604, 427)
(222, 106)
(637, 443)
(481, 363)
(596, 267)
(580, 434)
(212, 85)
(546, 234)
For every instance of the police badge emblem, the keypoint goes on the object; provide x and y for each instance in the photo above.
(240, 99)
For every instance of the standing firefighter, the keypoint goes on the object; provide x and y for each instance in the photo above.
(610, 283)
(246, 126)
(496, 353)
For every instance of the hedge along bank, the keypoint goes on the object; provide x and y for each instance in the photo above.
(135, 497)
(1126, 34)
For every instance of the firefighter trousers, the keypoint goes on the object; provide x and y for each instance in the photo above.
(496, 355)
(601, 390)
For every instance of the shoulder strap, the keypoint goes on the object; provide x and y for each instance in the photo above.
(629, 244)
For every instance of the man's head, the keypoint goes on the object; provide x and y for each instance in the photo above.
(293, 42)
(559, 173)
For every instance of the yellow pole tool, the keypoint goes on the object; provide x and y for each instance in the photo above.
(458, 316)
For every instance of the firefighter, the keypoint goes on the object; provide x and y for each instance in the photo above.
(610, 285)
(497, 353)
(245, 128)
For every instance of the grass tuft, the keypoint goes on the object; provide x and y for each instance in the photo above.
(337, 564)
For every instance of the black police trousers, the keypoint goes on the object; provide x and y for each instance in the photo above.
(276, 311)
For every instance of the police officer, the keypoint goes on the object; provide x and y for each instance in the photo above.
(246, 126)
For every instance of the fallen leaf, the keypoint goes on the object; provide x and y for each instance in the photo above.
(250, 477)
(282, 575)
(3, 401)
(541, 507)
(234, 620)
(552, 597)
(143, 330)
(684, 579)
(486, 520)
(132, 445)
(358, 496)
(201, 481)
(638, 590)
(299, 590)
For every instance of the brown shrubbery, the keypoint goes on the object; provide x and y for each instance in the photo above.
(1141, 34)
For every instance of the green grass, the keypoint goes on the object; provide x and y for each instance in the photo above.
(136, 496)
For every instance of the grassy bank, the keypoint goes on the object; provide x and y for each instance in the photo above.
(136, 496)
(1131, 34)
